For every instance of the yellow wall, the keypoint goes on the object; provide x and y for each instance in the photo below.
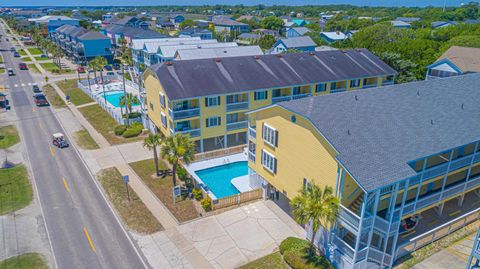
(254, 104)
(301, 153)
(207, 112)
(153, 97)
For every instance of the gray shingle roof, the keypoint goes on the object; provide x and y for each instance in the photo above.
(377, 131)
(193, 78)
(298, 42)
(92, 35)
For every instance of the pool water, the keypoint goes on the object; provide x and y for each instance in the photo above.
(113, 97)
(218, 178)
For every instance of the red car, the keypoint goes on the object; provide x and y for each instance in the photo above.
(81, 69)
(23, 66)
(40, 100)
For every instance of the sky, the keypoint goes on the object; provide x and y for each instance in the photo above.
(419, 3)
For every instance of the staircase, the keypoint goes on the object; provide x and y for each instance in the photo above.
(349, 238)
(355, 205)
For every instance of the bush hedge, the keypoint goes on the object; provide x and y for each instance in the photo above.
(293, 243)
(207, 203)
(120, 129)
(197, 194)
(135, 129)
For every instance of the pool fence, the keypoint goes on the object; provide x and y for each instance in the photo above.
(237, 199)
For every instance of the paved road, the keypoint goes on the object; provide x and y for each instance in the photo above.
(82, 229)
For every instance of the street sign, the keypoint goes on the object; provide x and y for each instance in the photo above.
(125, 178)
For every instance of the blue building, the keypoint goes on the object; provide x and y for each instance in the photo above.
(48, 24)
(297, 31)
(454, 62)
(474, 260)
(442, 24)
(301, 43)
(224, 24)
(400, 24)
(82, 45)
(331, 37)
(177, 19)
(196, 32)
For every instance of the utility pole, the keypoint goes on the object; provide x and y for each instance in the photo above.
(444, 5)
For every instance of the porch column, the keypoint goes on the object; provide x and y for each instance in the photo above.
(461, 199)
(439, 209)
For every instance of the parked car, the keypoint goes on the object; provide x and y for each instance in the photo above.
(110, 73)
(12, 49)
(40, 100)
(108, 67)
(116, 66)
(81, 69)
(10, 72)
(36, 89)
(23, 66)
(16, 54)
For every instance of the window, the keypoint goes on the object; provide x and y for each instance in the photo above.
(354, 83)
(162, 100)
(261, 95)
(296, 90)
(213, 121)
(232, 118)
(212, 101)
(269, 161)
(276, 93)
(164, 119)
(322, 87)
(269, 135)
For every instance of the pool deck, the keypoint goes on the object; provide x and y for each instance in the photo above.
(239, 157)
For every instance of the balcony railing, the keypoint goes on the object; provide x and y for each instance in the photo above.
(252, 133)
(251, 156)
(370, 85)
(237, 125)
(237, 106)
(183, 114)
(191, 132)
(387, 82)
(338, 90)
(343, 247)
(301, 95)
(349, 218)
(279, 99)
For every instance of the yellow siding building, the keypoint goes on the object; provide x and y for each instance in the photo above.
(406, 171)
(208, 98)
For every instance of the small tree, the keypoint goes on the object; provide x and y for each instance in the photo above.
(176, 148)
(317, 207)
(266, 42)
(151, 142)
(127, 101)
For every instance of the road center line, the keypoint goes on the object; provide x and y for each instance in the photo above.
(52, 151)
(89, 239)
(66, 185)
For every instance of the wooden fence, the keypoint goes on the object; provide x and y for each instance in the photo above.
(218, 153)
(237, 199)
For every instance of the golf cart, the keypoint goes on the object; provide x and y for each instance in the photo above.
(59, 141)
(409, 224)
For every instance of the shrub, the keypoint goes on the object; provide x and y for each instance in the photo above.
(120, 129)
(182, 173)
(300, 260)
(132, 115)
(293, 243)
(132, 132)
(197, 194)
(207, 203)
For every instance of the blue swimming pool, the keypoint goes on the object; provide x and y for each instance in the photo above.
(218, 178)
(113, 97)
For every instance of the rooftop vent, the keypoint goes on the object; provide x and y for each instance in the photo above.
(418, 92)
(463, 106)
(348, 132)
(218, 60)
(279, 55)
(257, 57)
(169, 63)
(356, 98)
(311, 53)
(431, 122)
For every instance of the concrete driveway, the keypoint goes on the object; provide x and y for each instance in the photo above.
(241, 235)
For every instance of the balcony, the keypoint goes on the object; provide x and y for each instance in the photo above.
(388, 82)
(251, 156)
(185, 113)
(338, 90)
(279, 99)
(252, 133)
(191, 132)
(301, 95)
(237, 125)
(349, 219)
(237, 106)
(343, 247)
(370, 85)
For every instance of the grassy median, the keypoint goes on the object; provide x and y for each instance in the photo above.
(35, 51)
(15, 189)
(134, 212)
(85, 140)
(8, 136)
(33, 68)
(54, 69)
(27, 260)
(53, 97)
(162, 188)
(77, 96)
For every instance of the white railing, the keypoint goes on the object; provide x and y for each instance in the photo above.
(279, 99)
(349, 218)
(237, 106)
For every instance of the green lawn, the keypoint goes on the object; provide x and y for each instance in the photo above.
(104, 124)
(134, 212)
(22, 52)
(26, 59)
(35, 51)
(55, 100)
(8, 136)
(15, 190)
(162, 188)
(53, 68)
(1, 59)
(38, 58)
(272, 261)
(2, 71)
(85, 140)
(77, 96)
(33, 68)
(27, 260)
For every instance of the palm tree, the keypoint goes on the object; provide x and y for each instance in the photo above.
(151, 142)
(176, 148)
(99, 63)
(127, 101)
(317, 207)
